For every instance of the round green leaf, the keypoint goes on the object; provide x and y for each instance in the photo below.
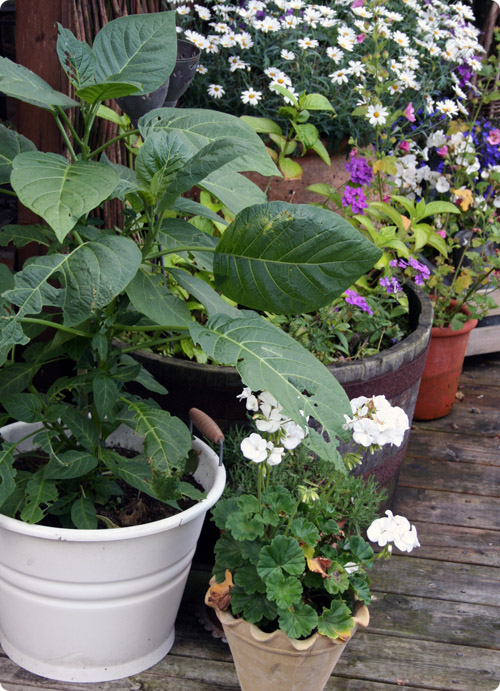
(283, 554)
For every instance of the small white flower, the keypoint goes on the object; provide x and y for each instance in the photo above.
(275, 454)
(251, 96)
(272, 419)
(377, 115)
(287, 54)
(294, 434)
(351, 567)
(254, 448)
(216, 91)
(447, 107)
(335, 54)
(381, 530)
(442, 184)
(307, 42)
(339, 77)
(201, 69)
(250, 399)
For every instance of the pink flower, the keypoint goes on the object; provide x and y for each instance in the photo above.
(493, 137)
(443, 151)
(410, 112)
(386, 199)
(358, 3)
(360, 38)
(441, 232)
(404, 146)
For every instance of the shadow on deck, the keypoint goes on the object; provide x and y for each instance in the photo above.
(435, 619)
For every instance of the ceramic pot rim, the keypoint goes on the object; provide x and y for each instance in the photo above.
(128, 532)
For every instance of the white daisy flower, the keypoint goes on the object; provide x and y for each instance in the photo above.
(287, 54)
(307, 42)
(377, 115)
(339, 77)
(251, 96)
(216, 91)
(335, 54)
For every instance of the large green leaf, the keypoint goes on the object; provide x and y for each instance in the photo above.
(234, 190)
(167, 440)
(203, 165)
(93, 274)
(151, 296)
(96, 93)
(160, 158)
(138, 48)
(290, 258)
(19, 82)
(199, 127)
(21, 235)
(128, 178)
(283, 554)
(176, 234)
(58, 191)
(11, 144)
(204, 293)
(76, 57)
(188, 206)
(135, 471)
(269, 359)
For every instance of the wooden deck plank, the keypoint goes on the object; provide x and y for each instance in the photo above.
(430, 619)
(464, 478)
(457, 544)
(453, 447)
(484, 422)
(466, 583)
(418, 664)
(450, 508)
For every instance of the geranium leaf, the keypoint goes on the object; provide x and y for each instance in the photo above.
(254, 608)
(336, 622)
(286, 591)
(360, 548)
(282, 554)
(248, 578)
(279, 499)
(228, 552)
(337, 581)
(222, 510)
(361, 587)
(245, 526)
(305, 531)
(290, 258)
(299, 621)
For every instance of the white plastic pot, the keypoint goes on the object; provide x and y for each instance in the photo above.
(96, 605)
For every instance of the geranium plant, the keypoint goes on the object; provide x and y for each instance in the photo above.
(289, 560)
(94, 283)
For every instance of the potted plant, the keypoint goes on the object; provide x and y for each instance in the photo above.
(91, 285)
(290, 582)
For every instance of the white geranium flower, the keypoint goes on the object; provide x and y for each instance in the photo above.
(272, 419)
(442, 184)
(251, 401)
(293, 435)
(275, 454)
(254, 448)
(381, 530)
(351, 567)
(405, 535)
(267, 397)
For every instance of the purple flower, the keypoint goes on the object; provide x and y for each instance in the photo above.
(360, 171)
(392, 285)
(354, 197)
(357, 300)
(418, 266)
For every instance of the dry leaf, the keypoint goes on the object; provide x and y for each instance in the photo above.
(319, 565)
(460, 396)
(219, 594)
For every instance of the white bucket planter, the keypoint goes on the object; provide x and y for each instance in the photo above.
(96, 605)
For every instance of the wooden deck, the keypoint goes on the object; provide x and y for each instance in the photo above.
(435, 621)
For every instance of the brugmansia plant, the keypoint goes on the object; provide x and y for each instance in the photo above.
(93, 283)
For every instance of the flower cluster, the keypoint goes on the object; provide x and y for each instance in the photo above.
(393, 529)
(375, 422)
(377, 55)
(284, 434)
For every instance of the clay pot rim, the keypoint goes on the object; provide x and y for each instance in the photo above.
(361, 617)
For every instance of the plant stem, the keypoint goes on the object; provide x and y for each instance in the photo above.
(147, 344)
(118, 138)
(182, 248)
(9, 192)
(66, 138)
(56, 325)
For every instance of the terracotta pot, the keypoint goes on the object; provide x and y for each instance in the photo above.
(272, 661)
(442, 371)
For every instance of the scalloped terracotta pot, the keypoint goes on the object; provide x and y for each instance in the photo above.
(96, 605)
(274, 662)
(442, 371)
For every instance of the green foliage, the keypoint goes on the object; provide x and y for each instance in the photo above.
(94, 283)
